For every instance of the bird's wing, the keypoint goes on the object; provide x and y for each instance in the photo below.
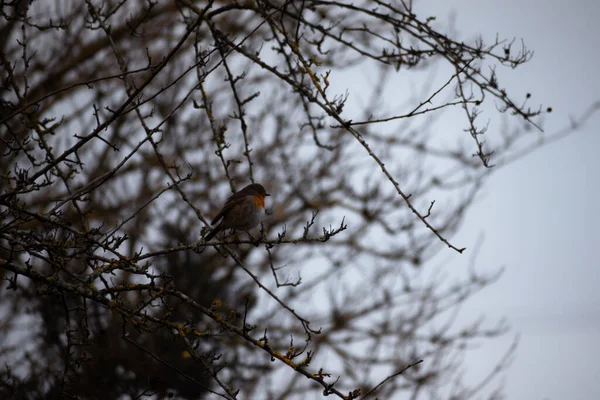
(231, 202)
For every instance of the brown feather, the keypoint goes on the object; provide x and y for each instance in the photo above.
(232, 201)
(238, 197)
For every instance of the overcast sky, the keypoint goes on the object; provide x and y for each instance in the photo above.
(540, 214)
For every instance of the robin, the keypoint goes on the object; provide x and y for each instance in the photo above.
(242, 211)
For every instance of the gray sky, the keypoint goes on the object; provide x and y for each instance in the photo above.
(539, 215)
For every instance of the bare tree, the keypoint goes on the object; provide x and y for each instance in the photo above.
(126, 123)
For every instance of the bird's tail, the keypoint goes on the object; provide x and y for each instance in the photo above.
(212, 233)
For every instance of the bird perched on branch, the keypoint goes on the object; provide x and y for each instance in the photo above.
(242, 211)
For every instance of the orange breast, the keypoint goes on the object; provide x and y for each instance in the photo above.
(259, 201)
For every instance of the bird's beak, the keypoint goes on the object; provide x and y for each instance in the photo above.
(267, 194)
